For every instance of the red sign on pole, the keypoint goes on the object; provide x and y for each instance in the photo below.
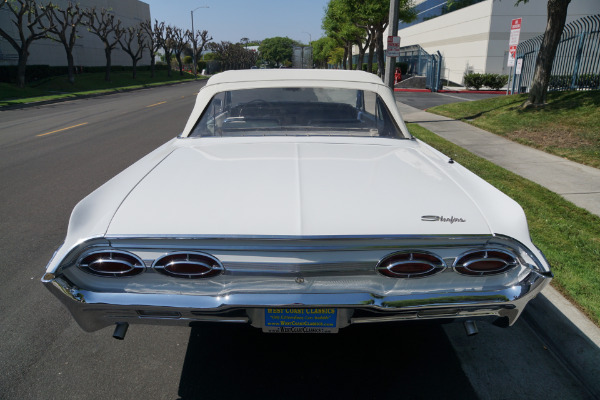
(393, 46)
(515, 32)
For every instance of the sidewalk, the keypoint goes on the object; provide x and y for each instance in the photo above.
(573, 338)
(577, 183)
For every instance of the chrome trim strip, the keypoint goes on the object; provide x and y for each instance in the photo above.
(298, 238)
(90, 308)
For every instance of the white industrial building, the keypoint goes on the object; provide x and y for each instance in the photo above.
(475, 38)
(89, 49)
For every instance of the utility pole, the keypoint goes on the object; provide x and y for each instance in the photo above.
(194, 41)
(390, 62)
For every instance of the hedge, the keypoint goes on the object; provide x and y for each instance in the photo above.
(8, 73)
(477, 81)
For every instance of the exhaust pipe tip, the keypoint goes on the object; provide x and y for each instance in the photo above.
(471, 328)
(120, 330)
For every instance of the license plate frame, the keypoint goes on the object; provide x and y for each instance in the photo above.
(301, 320)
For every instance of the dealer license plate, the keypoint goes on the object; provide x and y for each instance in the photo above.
(300, 320)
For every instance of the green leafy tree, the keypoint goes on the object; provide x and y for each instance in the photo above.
(372, 17)
(338, 23)
(276, 50)
(323, 51)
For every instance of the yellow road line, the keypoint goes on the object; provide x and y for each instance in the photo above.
(157, 104)
(63, 129)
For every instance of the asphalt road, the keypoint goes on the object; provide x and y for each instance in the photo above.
(52, 156)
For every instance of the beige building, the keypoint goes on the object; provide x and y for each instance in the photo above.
(89, 49)
(475, 38)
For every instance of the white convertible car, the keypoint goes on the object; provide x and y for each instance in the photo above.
(295, 201)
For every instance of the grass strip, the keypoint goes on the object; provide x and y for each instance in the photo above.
(569, 236)
(86, 84)
(568, 126)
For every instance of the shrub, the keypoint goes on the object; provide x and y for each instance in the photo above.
(495, 81)
(473, 80)
(477, 81)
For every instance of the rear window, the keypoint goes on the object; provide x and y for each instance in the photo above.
(296, 112)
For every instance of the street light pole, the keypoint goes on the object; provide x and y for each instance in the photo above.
(393, 31)
(194, 40)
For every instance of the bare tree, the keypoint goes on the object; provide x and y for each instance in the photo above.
(62, 27)
(27, 15)
(135, 50)
(180, 41)
(108, 28)
(152, 38)
(199, 37)
(233, 56)
(166, 42)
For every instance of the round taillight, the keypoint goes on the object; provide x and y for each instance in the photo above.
(188, 265)
(113, 263)
(410, 265)
(484, 262)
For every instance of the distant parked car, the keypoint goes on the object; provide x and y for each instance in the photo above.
(295, 201)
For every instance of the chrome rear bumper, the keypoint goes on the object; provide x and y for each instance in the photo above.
(96, 310)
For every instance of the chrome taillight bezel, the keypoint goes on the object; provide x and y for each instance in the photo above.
(386, 265)
(134, 263)
(463, 267)
(211, 265)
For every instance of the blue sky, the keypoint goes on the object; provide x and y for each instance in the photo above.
(231, 20)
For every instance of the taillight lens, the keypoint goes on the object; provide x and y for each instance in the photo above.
(485, 262)
(410, 265)
(113, 263)
(188, 265)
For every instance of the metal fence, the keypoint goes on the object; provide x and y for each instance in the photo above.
(421, 63)
(302, 57)
(577, 61)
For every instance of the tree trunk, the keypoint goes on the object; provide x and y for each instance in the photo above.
(345, 59)
(168, 60)
(361, 57)
(134, 62)
(380, 55)
(557, 15)
(23, 55)
(178, 57)
(70, 67)
(152, 64)
(350, 55)
(371, 56)
(107, 52)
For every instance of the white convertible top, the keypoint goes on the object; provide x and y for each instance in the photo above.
(254, 75)
(265, 78)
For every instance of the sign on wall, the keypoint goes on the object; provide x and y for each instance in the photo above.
(513, 42)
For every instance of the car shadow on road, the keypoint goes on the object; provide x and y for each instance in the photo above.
(360, 362)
